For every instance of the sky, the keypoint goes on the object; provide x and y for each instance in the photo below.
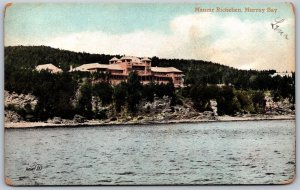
(242, 40)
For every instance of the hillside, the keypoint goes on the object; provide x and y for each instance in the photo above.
(31, 56)
(73, 93)
(196, 71)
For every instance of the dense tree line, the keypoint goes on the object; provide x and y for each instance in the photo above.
(196, 71)
(125, 95)
(243, 90)
(202, 72)
(31, 56)
(229, 100)
(67, 94)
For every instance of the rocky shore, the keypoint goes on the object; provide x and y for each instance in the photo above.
(159, 111)
(100, 123)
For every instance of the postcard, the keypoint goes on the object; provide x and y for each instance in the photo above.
(149, 94)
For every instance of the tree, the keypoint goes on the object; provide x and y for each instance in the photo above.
(259, 102)
(199, 98)
(149, 91)
(64, 89)
(244, 100)
(170, 91)
(84, 106)
(134, 91)
(227, 102)
(119, 96)
(104, 91)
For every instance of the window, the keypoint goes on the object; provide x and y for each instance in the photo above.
(117, 71)
(138, 68)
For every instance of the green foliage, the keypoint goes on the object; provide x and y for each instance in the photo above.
(276, 96)
(55, 92)
(259, 102)
(165, 89)
(100, 76)
(199, 98)
(104, 91)
(84, 106)
(286, 87)
(119, 96)
(149, 91)
(21, 111)
(170, 92)
(101, 114)
(31, 56)
(160, 90)
(227, 102)
(244, 98)
(134, 92)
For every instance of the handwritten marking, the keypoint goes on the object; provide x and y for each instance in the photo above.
(34, 167)
(275, 26)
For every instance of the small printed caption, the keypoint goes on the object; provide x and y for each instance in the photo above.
(238, 10)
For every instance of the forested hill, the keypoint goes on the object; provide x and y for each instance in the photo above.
(57, 94)
(31, 56)
(195, 71)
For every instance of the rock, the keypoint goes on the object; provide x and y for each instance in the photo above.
(160, 117)
(157, 106)
(214, 107)
(167, 111)
(208, 113)
(30, 118)
(11, 116)
(57, 120)
(147, 106)
(269, 113)
(78, 119)
(281, 107)
(23, 101)
(113, 119)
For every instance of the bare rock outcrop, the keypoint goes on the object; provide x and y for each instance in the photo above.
(162, 110)
(281, 107)
(14, 102)
(11, 116)
(22, 101)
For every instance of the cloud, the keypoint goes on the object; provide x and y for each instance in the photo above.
(230, 41)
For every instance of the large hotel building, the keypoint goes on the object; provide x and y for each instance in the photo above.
(119, 70)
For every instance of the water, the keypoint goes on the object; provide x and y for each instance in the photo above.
(252, 152)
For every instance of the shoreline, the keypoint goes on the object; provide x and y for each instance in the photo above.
(94, 123)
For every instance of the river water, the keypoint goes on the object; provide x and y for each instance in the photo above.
(248, 152)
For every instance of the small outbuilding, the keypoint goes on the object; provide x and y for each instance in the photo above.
(48, 67)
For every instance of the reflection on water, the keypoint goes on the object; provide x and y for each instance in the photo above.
(252, 152)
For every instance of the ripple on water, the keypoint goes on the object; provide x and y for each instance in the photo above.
(126, 173)
(181, 154)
